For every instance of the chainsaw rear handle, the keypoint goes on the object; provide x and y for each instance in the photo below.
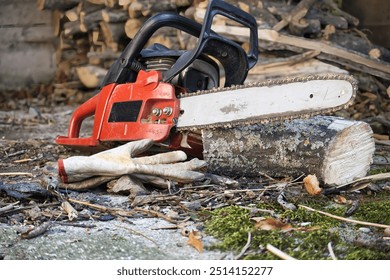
(207, 36)
(238, 15)
(229, 53)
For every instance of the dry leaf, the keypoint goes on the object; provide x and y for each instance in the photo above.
(312, 185)
(340, 199)
(68, 208)
(194, 241)
(271, 224)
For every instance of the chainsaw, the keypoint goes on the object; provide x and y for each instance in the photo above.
(171, 95)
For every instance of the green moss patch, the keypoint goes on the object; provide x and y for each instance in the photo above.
(311, 231)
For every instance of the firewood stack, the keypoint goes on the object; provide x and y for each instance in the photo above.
(295, 37)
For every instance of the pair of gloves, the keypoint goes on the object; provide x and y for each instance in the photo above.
(123, 160)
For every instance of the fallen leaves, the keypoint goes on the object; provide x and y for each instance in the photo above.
(271, 224)
(194, 240)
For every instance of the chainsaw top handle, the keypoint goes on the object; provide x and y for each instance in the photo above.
(235, 61)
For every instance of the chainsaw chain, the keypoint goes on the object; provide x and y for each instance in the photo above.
(276, 118)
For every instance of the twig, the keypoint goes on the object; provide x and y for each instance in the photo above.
(140, 234)
(23, 160)
(16, 153)
(8, 207)
(331, 252)
(274, 186)
(247, 245)
(279, 253)
(15, 210)
(74, 225)
(116, 211)
(37, 231)
(371, 178)
(344, 219)
(156, 214)
(16, 174)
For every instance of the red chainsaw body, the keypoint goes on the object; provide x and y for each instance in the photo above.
(147, 108)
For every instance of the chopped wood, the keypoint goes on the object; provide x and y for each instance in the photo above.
(88, 21)
(73, 14)
(113, 34)
(110, 15)
(91, 76)
(132, 25)
(297, 13)
(56, 4)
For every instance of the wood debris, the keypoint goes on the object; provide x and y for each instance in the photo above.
(312, 185)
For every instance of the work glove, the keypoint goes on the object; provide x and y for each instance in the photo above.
(122, 160)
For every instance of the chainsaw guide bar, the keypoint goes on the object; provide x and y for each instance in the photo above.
(269, 101)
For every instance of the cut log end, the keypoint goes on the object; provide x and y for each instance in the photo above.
(350, 154)
(336, 150)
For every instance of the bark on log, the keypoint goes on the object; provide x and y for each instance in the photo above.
(61, 5)
(336, 150)
(114, 15)
(113, 33)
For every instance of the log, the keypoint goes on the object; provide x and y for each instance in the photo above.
(61, 5)
(90, 75)
(88, 21)
(139, 8)
(110, 15)
(71, 28)
(133, 25)
(113, 33)
(73, 14)
(336, 150)
(297, 13)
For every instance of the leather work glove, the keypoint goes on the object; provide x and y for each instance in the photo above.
(122, 160)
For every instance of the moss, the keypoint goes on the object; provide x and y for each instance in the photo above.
(366, 254)
(375, 210)
(375, 171)
(231, 226)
